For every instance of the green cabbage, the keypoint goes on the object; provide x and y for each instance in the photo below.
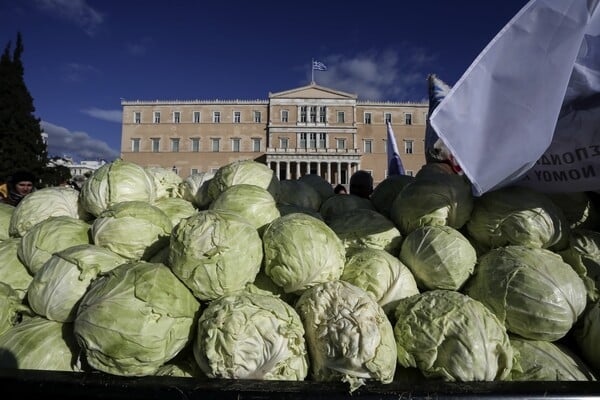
(532, 291)
(194, 189)
(540, 360)
(439, 256)
(300, 194)
(116, 182)
(40, 344)
(249, 172)
(176, 208)
(45, 203)
(166, 181)
(587, 335)
(12, 271)
(583, 254)
(450, 336)
(348, 335)
(341, 203)
(381, 275)
(12, 308)
(59, 285)
(251, 336)
(215, 253)
(251, 202)
(320, 184)
(362, 227)
(386, 191)
(6, 211)
(433, 199)
(517, 216)
(135, 230)
(49, 236)
(301, 251)
(135, 318)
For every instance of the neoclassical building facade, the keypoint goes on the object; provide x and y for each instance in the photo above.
(306, 130)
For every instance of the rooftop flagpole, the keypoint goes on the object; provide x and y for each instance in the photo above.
(312, 70)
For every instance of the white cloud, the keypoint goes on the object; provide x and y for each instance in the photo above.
(106, 115)
(75, 11)
(394, 74)
(139, 47)
(78, 145)
(75, 72)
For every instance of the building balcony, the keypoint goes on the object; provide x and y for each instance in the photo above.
(274, 150)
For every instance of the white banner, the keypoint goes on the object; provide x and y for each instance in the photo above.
(501, 119)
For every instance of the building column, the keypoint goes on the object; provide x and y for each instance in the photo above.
(319, 168)
(329, 172)
(286, 175)
(297, 169)
(338, 178)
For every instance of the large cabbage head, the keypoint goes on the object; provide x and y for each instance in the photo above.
(386, 191)
(116, 182)
(176, 208)
(341, 203)
(302, 251)
(12, 270)
(451, 336)
(40, 344)
(251, 336)
(251, 202)
(381, 275)
(166, 181)
(249, 172)
(320, 184)
(362, 228)
(579, 209)
(300, 194)
(135, 230)
(436, 199)
(215, 253)
(43, 204)
(439, 256)
(135, 318)
(517, 216)
(532, 291)
(583, 254)
(49, 236)
(348, 335)
(587, 335)
(57, 288)
(194, 189)
(540, 360)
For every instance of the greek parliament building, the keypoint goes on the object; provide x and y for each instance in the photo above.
(307, 130)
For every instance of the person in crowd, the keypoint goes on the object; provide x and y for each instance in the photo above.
(19, 185)
(340, 189)
(361, 184)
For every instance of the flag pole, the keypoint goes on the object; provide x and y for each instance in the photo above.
(312, 70)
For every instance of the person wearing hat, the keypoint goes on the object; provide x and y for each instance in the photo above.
(361, 184)
(19, 185)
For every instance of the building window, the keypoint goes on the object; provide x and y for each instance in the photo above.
(408, 146)
(340, 117)
(135, 145)
(195, 144)
(387, 117)
(215, 144)
(283, 143)
(303, 110)
(194, 171)
(284, 115)
(237, 117)
(368, 146)
(216, 117)
(155, 145)
(137, 117)
(313, 113)
(157, 117)
(257, 116)
(196, 117)
(176, 117)
(321, 140)
(256, 145)
(322, 114)
(408, 119)
(367, 118)
(312, 140)
(235, 145)
(175, 145)
(340, 144)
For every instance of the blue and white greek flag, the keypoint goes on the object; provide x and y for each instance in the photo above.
(319, 66)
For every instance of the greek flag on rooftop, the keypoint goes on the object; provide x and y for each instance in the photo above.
(319, 66)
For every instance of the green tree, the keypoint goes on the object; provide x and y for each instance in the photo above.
(21, 142)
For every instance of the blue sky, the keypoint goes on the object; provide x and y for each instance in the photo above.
(81, 57)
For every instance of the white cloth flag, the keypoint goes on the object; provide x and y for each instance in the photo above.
(501, 119)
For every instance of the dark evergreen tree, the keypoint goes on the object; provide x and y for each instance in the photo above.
(21, 142)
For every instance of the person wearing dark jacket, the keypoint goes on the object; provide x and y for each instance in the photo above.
(19, 185)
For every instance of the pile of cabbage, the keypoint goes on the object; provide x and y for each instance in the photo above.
(238, 275)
